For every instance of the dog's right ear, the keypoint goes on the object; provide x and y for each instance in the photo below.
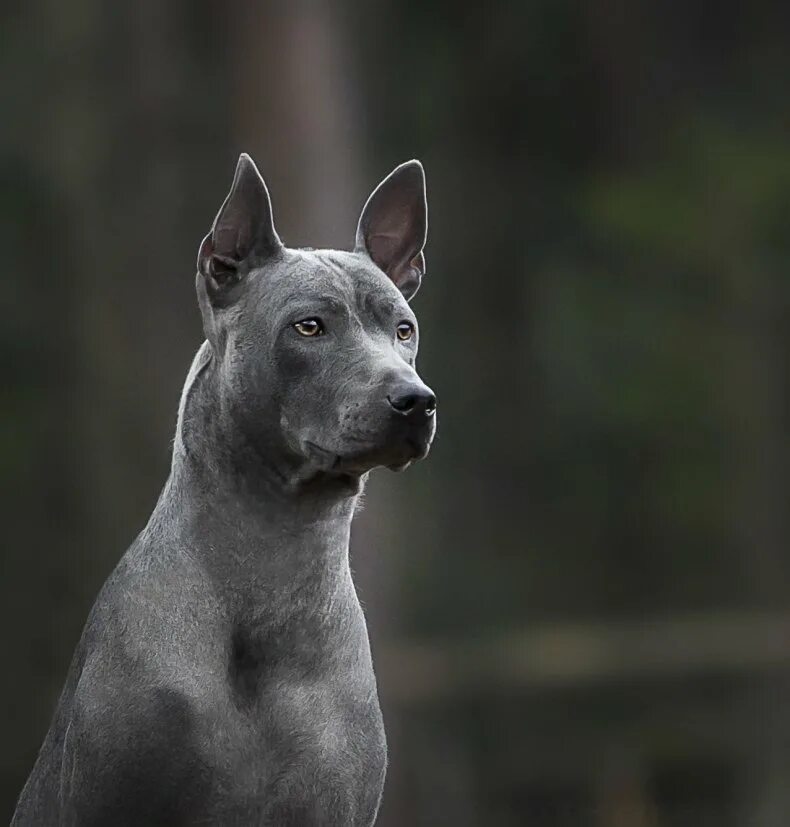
(242, 236)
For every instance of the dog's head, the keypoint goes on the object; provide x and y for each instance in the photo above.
(317, 348)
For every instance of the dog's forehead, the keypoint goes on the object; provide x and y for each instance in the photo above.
(347, 276)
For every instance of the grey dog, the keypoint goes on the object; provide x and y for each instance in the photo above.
(224, 675)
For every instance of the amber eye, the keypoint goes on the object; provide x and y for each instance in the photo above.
(309, 327)
(405, 331)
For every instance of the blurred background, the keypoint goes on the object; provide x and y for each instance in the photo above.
(580, 604)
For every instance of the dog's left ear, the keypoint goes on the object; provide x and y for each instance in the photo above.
(394, 225)
(243, 232)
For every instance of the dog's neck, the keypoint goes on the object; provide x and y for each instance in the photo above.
(259, 526)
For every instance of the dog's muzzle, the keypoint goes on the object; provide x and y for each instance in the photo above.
(398, 430)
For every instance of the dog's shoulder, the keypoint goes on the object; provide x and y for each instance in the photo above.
(129, 737)
(110, 701)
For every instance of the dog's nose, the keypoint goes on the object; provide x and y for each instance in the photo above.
(413, 400)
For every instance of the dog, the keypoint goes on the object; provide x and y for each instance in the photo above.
(224, 674)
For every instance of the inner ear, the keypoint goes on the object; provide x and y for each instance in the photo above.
(393, 226)
(243, 232)
(220, 272)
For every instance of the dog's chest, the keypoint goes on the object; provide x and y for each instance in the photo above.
(300, 752)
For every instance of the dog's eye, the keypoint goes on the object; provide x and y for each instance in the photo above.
(405, 331)
(309, 327)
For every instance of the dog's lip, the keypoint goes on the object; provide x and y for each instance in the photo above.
(416, 449)
(420, 448)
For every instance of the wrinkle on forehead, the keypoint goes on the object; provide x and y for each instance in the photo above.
(322, 271)
(338, 272)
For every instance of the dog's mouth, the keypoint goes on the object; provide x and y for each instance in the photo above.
(364, 457)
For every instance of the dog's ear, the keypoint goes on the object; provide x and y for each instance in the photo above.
(243, 233)
(394, 224)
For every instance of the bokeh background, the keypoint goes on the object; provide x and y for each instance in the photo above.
(580, 605)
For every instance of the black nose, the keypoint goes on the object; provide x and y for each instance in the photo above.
(413, 400)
